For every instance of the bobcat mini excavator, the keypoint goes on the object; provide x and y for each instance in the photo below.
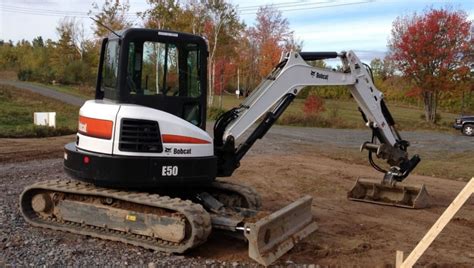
(145, 169)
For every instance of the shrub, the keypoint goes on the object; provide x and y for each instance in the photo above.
(75, 72)
(24, 74)
(313, 105)
(314, 120)
(214, 112)
(437, 116)
(326, 92)
(334, 111)
(36, 132)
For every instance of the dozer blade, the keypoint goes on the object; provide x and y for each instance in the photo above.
(274, 235)
(399, 195)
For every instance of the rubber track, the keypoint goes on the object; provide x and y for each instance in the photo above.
(198, 218)
(250, 194)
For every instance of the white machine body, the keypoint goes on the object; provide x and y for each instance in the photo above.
(187, 140)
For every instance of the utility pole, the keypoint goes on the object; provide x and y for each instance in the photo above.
(238, 83)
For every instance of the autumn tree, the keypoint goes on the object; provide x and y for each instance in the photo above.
(246, 63)
(66, 58)
(113, 14)
(432, 50)
(72, 32)
(222, 28)
(8, 56)
(199, 15)
(165, 15)
(271, 35)
(215, 20)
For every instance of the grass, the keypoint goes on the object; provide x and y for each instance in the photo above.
(337, 114)
(344, 114)
(16, 114)
(85, 92)
(449, 165)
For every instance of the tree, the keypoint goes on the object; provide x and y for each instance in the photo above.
(271, 35)
(165, 15)
(377, 67)
(65, 50)
(113, 14)
(215, 20)
(381, 69)
(221, 28)
(38, 42)
(72, 31)
(432, 50)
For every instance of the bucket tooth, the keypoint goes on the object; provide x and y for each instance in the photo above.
(274, 235)
(399, 195)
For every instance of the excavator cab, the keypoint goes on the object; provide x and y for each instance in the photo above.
(162, 70)
(145, 129)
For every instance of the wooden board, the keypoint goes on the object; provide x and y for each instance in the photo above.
(431, 235)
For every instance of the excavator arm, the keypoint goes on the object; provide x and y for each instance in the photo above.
(279, 89)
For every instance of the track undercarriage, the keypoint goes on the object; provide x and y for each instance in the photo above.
(167, 223)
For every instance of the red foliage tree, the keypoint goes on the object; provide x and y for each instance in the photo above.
(270, 36)
(270, 53)
(224, 72)
(433, 51)
(313, 105)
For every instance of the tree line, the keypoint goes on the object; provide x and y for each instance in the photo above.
(234, 48)
(429, 61)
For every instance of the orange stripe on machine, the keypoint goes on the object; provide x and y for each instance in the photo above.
(170, 138)
(97, 128)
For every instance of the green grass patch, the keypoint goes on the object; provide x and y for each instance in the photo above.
(213, 113)
(16, 114)
(441, 164)
(337, 114)
(447, 165)
(344, 114)
(85, 92)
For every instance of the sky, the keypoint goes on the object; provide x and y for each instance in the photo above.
(323, 25)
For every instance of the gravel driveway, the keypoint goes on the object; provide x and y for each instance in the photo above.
(421, 141)
(67, 98)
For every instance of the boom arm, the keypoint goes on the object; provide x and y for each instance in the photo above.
(280, 88)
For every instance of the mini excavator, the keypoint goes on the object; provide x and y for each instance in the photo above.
(144, 169)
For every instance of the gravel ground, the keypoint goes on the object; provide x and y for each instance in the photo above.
(24, 245)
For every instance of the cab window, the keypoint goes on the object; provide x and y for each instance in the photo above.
(164, 68)
(170, 70)
(110, 66)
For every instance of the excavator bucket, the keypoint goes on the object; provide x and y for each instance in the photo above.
(399, 195)
(274, 235)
